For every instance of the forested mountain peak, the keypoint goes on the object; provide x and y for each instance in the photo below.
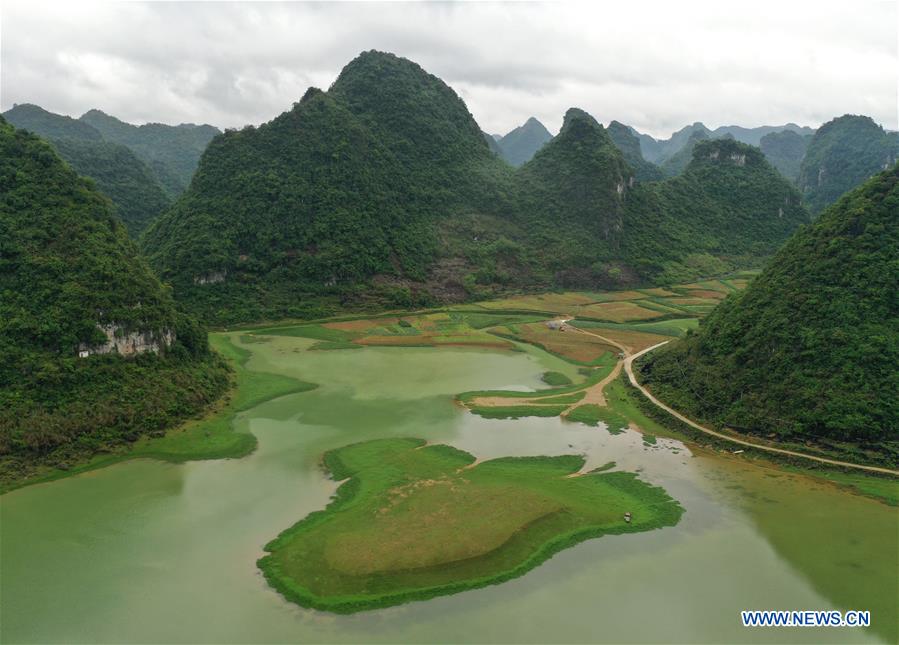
(725, 151)
(77, 299)
(383, 190)
(627, 142)
(581, 168)
(171, 151)
(48, 209)
(134, 187)
(809, 350)
(415, 111)
(843, 153)
(47, 124)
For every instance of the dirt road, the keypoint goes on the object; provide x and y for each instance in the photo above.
(628, 368)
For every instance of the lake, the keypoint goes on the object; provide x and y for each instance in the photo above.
(146, 551)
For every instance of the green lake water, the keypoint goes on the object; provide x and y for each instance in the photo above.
(151, 552)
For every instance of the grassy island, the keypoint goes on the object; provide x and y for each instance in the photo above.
(412, 521)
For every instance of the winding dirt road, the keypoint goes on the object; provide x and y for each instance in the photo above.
(629, 369)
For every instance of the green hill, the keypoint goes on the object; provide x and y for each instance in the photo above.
(73, 283)
(383, 191)
(678, 161)
(49, 125)
(572, 198)
(629, 145)
(521, 144)
(809, 351)
(785, 150)
(171, 151)
(119, 175)
(132, 186)
(843, 153)
(728, 208)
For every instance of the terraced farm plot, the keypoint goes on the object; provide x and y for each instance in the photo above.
(570, 345)
(434, 329)
(673, 327)
(360, 326)
(692, 301)
(414, 521)
(622, 311)
(560, 303)
(616, 296)
(710, 285)
(658, 292)
(739, 283)
(635, 341)
(707, 293)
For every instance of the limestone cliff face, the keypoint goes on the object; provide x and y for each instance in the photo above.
(125, 343)
(213, 277)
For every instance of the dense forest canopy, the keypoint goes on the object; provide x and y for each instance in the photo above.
(810, 349)
(629, 145)
(172, 151)
(843, 153)
(785, 150)
(383, 190)
(142, 169)
(72, 281)
(134, 187)
(129, 183)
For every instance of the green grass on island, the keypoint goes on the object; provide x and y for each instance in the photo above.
(413, 521)
(591, 414)
(555, 379)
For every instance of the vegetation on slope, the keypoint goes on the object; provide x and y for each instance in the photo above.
(843, 153)
(132, 186)
(678, 162)
(809, 351)
(119, 175)
(383, 192)
(49, 125)
(629, 145)
(573, 195)
(67, 267)
(727, 208)
(172, 151)
(415, 521)
(785, 151)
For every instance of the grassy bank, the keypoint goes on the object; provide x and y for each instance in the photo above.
(210, 437)
(413, 521)
(882, 488)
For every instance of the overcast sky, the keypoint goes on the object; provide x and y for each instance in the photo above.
(654, 65)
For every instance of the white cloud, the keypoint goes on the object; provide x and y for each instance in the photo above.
(654, 65)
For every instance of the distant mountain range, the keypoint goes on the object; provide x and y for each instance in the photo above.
(141, 169)
(659, 150)
(520, 145)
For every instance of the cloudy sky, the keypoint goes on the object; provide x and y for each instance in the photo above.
(654, 65)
